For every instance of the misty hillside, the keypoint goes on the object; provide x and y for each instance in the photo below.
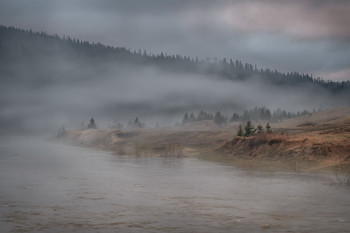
(50, 80)
(18, 45)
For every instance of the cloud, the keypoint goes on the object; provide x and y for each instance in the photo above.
(339, 75)
(299, 19)
(71, 94)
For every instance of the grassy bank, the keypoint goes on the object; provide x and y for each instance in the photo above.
(315, 141)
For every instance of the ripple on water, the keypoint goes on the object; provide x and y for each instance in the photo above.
(55, 188)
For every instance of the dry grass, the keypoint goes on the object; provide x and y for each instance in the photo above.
(306, 146)
(323, 136)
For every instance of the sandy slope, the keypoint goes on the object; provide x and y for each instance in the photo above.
(320, 136)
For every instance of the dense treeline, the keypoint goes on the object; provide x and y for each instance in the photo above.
(265, 114)
(250, 130)
(255, 114)
(26, 45)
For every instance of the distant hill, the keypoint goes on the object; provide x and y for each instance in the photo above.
(17, 45)
(49, 80)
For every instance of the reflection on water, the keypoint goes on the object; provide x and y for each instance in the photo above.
(47, 187)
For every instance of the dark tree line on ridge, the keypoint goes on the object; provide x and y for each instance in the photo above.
(132, 124)
(250, 130)
(255, 114)
(27, 45)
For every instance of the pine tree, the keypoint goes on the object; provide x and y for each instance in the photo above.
(137, 123)
(249, 129)
(92, 124)
(185, 119)
(268, 128)
(235, 117)
(219, 119)
(240, 132)
(192, 118)
(259, 129)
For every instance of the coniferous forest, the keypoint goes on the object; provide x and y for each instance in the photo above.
(174, 116)
(118, 83)
(26, 45)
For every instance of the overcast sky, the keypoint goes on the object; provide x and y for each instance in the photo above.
(301, 35)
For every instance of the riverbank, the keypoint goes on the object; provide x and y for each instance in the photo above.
(321, 139)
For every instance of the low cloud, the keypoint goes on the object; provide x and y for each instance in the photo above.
(72, 93)
(299, 19)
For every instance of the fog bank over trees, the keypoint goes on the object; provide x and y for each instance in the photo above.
(47, 81)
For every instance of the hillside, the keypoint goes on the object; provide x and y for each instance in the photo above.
(49, 80)
(320, 136)
(335, 118)
(30, 47)
(318, 140)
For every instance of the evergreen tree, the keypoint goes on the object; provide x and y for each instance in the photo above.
(249, 129)
(259, 129)
(268, 128)
(137, 123)
(240, 132)
(92, 124)
(192, 118)
(204, 116)
(185, 119)
(219, 119)
(61, 132)
(235, 117)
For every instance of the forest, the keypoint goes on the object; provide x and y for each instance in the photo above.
(255, 114)
(49, 80)
(26, 45)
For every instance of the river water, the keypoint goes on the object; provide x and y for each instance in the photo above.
(48, 187)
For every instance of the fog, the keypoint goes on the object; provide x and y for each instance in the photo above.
(192, 55)
(49, 93)
(54, 85)
(48, 187)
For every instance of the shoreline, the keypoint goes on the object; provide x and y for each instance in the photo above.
(315, 141)
(269, 151)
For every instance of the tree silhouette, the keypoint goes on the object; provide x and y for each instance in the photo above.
(92, 124)
(249, 129)
(240, 132)
(268, 128)
(185, 119)
(17, 44)
(219, 119)
(259, 129)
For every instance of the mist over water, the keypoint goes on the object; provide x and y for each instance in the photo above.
(64, 92)
(64, 62)
(46, 187)
(47, 81)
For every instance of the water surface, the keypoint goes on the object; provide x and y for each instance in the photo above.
(47, 187)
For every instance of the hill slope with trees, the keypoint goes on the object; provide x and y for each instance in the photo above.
(17, 45)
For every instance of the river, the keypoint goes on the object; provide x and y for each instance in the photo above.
(48, 187)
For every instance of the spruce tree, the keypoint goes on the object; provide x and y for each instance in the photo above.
(249, 129)
(220, 119)
(259, 129)
(192, 118)
(185, 119)
(240, 132)
(268, 128)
